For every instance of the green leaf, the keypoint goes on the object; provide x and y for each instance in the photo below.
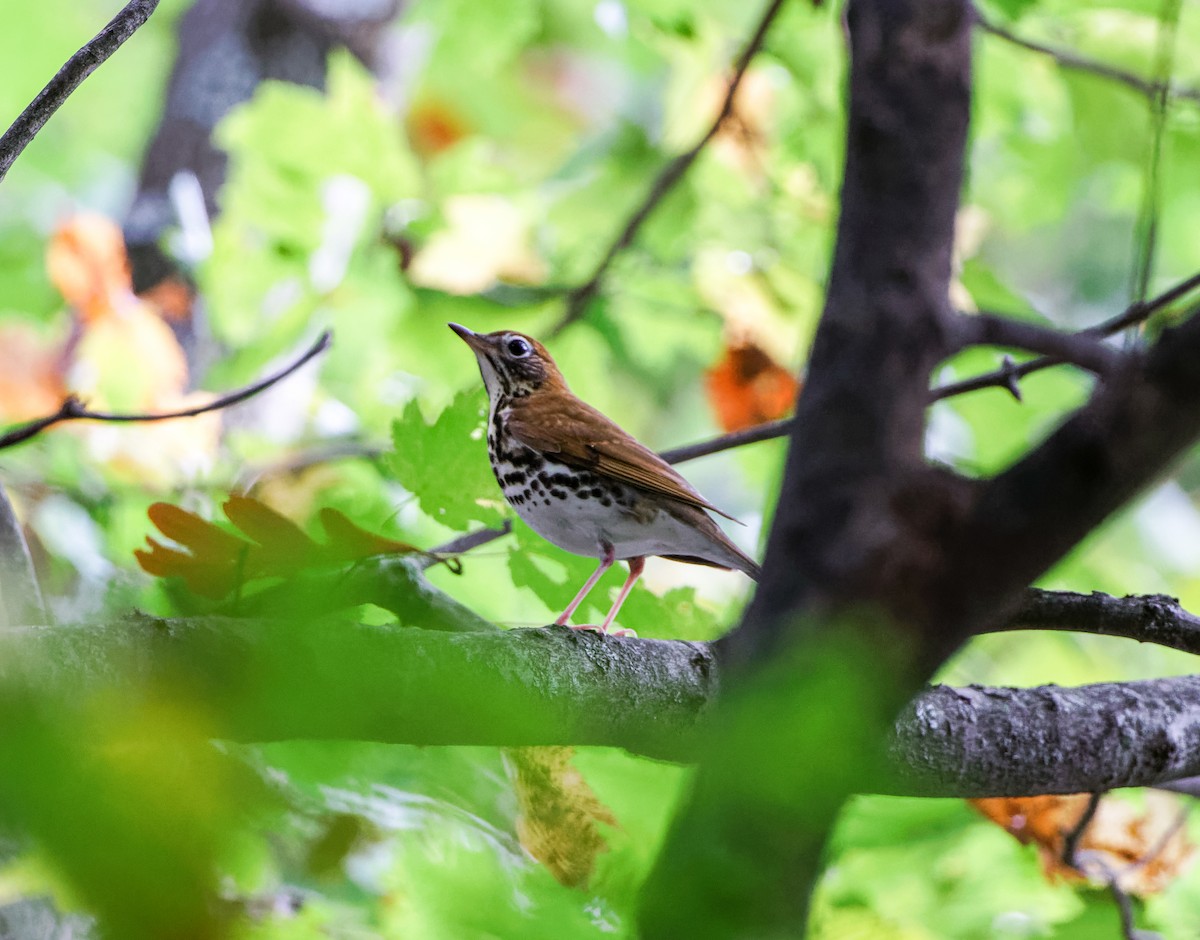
(297, 196)
(444, 463)
(486, 35)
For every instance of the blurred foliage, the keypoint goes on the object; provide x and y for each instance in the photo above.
(475, 184)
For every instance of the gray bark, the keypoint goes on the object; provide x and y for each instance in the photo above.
(329, 679)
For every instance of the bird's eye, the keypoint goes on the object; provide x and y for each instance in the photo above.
(518, 348)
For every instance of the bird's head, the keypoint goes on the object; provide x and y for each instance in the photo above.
(513, 365)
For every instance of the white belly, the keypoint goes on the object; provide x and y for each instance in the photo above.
(581, 513)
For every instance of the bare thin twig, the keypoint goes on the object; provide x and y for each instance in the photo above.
(759, 432)
(579, 298)
(69, 77)
(73, 409)
(1120, 896)
(1070, 850)
(464, 543)
(1071, 60)
(1007, 376)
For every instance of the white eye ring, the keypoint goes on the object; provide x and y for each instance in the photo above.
(518, 348)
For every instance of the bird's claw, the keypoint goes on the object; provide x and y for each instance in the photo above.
(620, 631)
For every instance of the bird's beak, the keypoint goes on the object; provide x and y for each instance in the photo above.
(470, 337)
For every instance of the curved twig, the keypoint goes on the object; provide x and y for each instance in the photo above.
(72, 409)
(579, 298)
(1071, 60)
(69, 77)
(1007, 376)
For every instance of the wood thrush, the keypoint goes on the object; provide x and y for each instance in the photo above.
(581, 482)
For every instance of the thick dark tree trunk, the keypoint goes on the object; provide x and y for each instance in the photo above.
(879, 566)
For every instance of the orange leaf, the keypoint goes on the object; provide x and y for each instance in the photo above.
(86, 261)
(172, 297)
(1145, 849)
(434, 126)
(283, 541)
(31, 383)
(214, 562)
(198, 535)
(349, 542)
(208, 578)
(747, 387)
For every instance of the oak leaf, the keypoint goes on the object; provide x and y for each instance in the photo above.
(215, 562)
(1144, 848)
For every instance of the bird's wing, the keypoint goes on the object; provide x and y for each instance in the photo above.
(580, 436)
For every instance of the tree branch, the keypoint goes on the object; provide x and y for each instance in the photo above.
(1147, 618)
(333, 680)
(1004, 378)
(1076, 62)
(1027, 517)
(1011, 374)
(760, 432)
(1082, 349)
(69, 77)
(579, 297)
(978, 742)
(73, 409)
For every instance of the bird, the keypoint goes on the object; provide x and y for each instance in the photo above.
(580, 481)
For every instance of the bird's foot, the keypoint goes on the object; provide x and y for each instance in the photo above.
(620, 631)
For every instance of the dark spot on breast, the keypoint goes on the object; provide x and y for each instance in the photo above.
(558, 494)
(584, 494)
(524, 457)
(536, 486)
(514, 478)
(596, 492)
(605, 501)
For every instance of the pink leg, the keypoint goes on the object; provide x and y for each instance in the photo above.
(605, 563)
(635, 570)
